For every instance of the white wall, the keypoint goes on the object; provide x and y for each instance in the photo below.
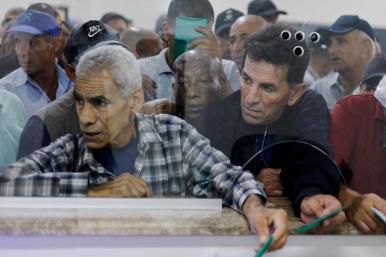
(145, 12)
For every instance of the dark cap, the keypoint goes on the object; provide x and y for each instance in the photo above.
(112, 16)
(43, 7)
(263, 8)
(87, 35)
(322, 44)
(36, 23)
(376, 68)
(225, 20)
(347, 23)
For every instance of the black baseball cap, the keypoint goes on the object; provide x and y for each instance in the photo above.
(113, 16)
(347, 23)
(263, 8)
(225, 20)
(376, 68)
(324, 40)
(87, 35)
(42, 7)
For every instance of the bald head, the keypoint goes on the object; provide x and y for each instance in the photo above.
(239, 33)
(141, 42)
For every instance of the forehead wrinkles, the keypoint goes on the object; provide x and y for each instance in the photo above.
(91, 84)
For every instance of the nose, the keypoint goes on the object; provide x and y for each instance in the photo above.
(86, 114)
(332, 48)
(253, 95)
(193, 91)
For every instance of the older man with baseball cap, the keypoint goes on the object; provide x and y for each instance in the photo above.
(352, 47)
(39, 80)
(59, 118)
(320, 62)
(224, 21)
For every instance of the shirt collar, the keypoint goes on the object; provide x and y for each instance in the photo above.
(21, 78)
(161, 61)
(147, 133)
(63, 81)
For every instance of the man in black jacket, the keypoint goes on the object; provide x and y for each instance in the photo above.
(275, 114)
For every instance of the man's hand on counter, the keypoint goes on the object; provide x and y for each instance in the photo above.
(360, 213)
(124, 185)
(315, 206)
(261, 218)
(270, 177)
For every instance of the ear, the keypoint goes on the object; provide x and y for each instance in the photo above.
(70, 71)
(168, 33)
(136, 100)
(367, 47)
(296, 92)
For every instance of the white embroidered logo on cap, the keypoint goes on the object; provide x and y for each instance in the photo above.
(93, 30)
(228, 15)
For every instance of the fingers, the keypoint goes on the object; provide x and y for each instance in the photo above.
(207, 32)
(362, 226)
(280, 234)
(208, 43)
(273, 192)
(331, 204)
(136, 187)
(310, 206)
(335, 220)
(272, 183)
(149, 85)
(261, 228)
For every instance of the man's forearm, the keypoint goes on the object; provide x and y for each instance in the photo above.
(45, 185)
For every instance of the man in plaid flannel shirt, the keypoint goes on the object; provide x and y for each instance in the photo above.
(161, 154)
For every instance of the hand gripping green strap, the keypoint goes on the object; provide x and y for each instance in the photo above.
(264, 247)
(316, 222)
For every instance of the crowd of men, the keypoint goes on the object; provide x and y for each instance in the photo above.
(249, 109)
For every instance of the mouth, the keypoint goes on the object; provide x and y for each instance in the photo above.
(91, 135)
(253, 112)
(24, 64)
(335, 59)
(194, 108)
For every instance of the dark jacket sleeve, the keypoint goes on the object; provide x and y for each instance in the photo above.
(34, 136)
(310, 169)
(311, 120)
(307, 170)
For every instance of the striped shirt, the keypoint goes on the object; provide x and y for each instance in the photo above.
(173, 159)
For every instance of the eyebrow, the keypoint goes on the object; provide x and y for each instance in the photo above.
(267, 84)
(92, 98)
(244, 73)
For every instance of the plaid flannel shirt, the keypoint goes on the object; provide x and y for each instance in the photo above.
(173, 159)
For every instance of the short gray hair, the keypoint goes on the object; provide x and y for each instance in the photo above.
(121, 64)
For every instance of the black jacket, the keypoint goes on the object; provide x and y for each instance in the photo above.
(307, 167)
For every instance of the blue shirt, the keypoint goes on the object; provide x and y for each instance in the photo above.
(30, 93)
(120, 160)
(11, 125)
